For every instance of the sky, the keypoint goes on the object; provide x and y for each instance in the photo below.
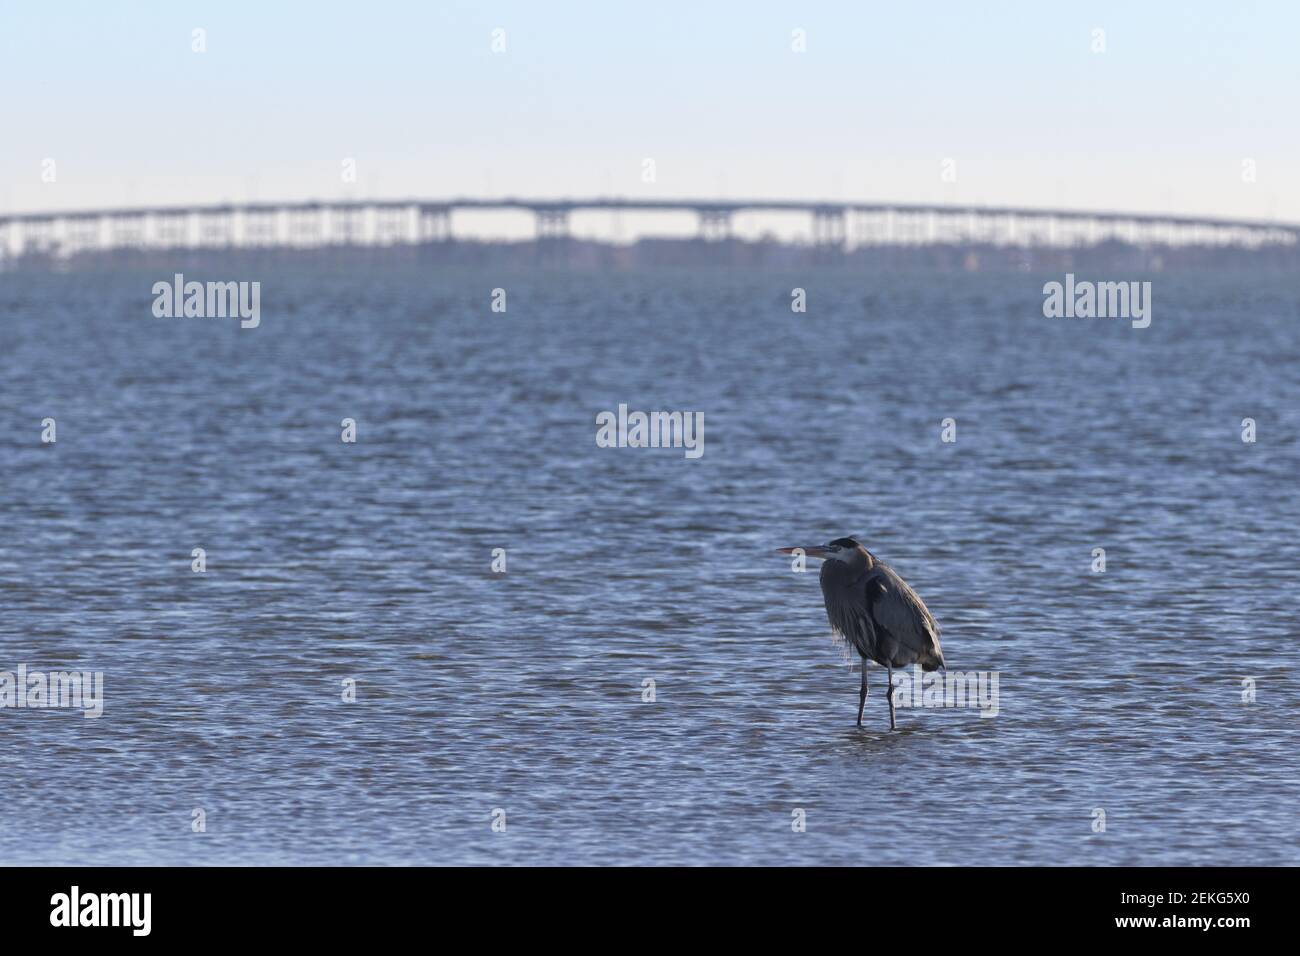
(994, 102)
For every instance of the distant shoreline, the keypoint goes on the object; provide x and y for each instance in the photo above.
(652, 253)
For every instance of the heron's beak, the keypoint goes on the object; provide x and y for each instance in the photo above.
(811, 551)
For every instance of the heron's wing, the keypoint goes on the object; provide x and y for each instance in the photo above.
(847, 609)
(898, 609)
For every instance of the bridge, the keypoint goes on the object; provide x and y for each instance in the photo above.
(833, 224)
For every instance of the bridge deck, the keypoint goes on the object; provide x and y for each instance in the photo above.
(421, 220)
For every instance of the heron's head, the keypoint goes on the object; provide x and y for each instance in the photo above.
(841, 549)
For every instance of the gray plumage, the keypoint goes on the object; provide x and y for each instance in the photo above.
(876, 613)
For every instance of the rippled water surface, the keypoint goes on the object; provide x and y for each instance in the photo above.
(522, 691)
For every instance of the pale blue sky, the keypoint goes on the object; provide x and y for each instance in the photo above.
(711, 91)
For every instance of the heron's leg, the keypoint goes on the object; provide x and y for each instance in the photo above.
(889, 695)
(862, 694)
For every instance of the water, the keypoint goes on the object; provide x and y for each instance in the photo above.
(523, 691)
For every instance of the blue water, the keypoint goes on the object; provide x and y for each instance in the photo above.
(522, 692)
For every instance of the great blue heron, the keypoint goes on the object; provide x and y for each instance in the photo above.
(874, 611)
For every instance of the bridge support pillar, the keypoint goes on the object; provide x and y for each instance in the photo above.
(172, 229)
(392, 225)
(216, 229)
(346, 225)
(715, 224)
(909, 228)
(305, 227)
(38, 236)
(871, 228)
(552, 233)
(433, 224)
(261, 227)
(829, 232)
(552, 223)
(84, 234)
(127, 231)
